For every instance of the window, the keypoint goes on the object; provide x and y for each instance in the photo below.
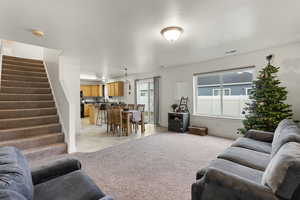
(248, 91)
(223, 93)
(226, 91)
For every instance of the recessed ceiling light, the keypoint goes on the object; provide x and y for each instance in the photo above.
(231, 51)
(37, 33)
(171, 33)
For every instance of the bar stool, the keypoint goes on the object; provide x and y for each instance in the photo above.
(101, 115)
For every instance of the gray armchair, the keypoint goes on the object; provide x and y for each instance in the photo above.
(59, 180)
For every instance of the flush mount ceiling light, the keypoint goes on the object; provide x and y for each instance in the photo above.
(171, 33)
(37, 33)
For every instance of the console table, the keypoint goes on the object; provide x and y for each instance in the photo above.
(178, 121)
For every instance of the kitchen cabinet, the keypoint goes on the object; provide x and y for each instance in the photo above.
(91, 90)
(87, 110)
(115, 89)
(95, 90)
(85, 90)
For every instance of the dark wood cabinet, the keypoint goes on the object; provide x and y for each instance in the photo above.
(178, 122)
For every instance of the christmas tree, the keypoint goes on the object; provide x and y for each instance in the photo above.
(267, 107)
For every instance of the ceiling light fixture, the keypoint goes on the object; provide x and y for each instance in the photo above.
(171, 33)
(126, 79)
(37, 33)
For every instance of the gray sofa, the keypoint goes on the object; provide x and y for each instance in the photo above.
(61, 180)
(261, 166)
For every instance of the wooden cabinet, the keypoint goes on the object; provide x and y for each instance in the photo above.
(95, 90)
(87, 108)
(115, 89)
(86, 90)
(91, 90)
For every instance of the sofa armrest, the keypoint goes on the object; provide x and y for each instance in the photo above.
(263, 136)
(237, 186)
(58, 168)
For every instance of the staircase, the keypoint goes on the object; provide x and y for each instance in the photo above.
(28, 116)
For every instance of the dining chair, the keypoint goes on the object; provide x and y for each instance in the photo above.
(109, 120)
(117, 121)
(126, 123)
(141, 107)
(141, 122)
(131, 106)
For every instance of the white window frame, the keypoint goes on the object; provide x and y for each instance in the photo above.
(220, 73)
(247, 89)
(224, 89)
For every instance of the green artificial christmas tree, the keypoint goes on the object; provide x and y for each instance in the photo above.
(267, 107)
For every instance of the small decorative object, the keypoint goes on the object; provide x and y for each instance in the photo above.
(183, 107)
(267, 107)
(174, 107)
(198, 130)
(126, 80)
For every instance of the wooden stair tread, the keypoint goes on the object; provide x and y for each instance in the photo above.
(30, 127)
(26, 109)
(24, 94)
(23, 78)
(31, 138)
(45, 147)
(23, 68)
(18, 58)
(22, 62)
(50, 101)
(26, 118)
(25, 73)
(24, 81)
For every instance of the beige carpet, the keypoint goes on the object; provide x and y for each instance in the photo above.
(160, 167)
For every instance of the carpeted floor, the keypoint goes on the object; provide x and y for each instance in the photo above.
(161, 166)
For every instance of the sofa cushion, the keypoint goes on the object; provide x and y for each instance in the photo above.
(11, 195)
(283, 173)
(236, 169)
(249, 158)
(15, 174)
(72, 186)
(286, 131)
(255, 145)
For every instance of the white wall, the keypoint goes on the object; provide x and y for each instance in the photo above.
(286, 57)
(64, 80)
(70, 74)
(18, 49)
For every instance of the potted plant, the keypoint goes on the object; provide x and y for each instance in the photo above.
(174, 106)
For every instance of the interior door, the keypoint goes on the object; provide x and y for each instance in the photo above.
(145, 95)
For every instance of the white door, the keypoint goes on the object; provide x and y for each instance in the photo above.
(145, 95)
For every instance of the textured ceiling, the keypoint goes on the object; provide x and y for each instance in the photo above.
(107, 34)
